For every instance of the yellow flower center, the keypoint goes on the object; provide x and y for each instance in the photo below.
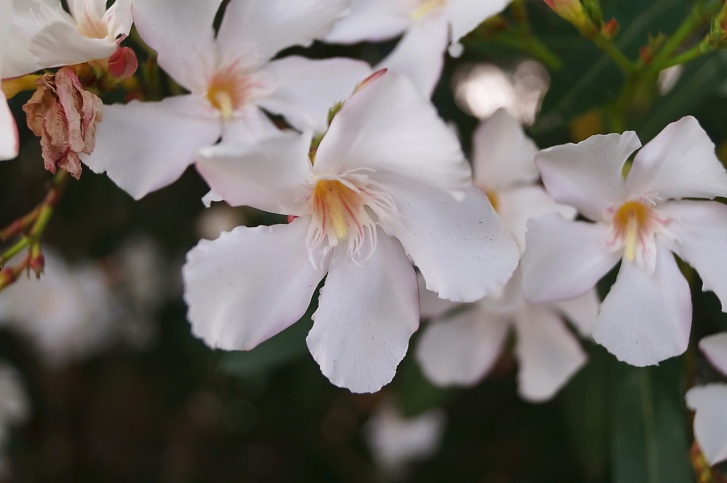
(425, 7)
(231, 87)
(632, 223)
(337, 207)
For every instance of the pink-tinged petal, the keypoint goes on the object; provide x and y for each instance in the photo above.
(249, 284)
(461, 350)
(77, 48)
(700, 228)
(389, 127)
(564, 259)
(710, 423)
(419, 55)
(679, 162)
(646, 318)
(581, 311)
(8, 131)
(119, 17)
(587, 175)
(181, 33)
(715, 348)
(430, 304)
(306, 89)
(549, 354)
(502, 154)
(248, 125)
(465, 15)
(273, 25)
(271, 175)
(460, 247)
(366, 315)
(370, 20)
(144, 146)
(519, 205)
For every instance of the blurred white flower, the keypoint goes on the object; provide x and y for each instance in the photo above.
(8, 128)
(429, 28)
(710, 401)
(396, 441)
(460, 348)
(384, 187)
(144, 146)
(44, 35)
(640, 221)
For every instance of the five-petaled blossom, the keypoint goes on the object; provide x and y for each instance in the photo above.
(144, 146)
(387, 182)
(710, 401)
(8, 128)
(45, 35)
(461, 345)
(429, 27)
(639, 220)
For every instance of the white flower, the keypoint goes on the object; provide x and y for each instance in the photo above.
(640, 221)
(710, 401)
(8, 128)
(429, 27)
(144, 146)
(383, 186)
(460, 348)
(396, 441)
(44, 35)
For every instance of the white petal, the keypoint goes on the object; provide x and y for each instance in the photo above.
(519, 205)
(564, 259)
(430, 304)
(181, 33)
(371, 20)
(715, 348)
(306, 89)
(79, 8)
(679, 162)
(462, 349)
(248, 125)
(419, 55)
(76, 47)
(710, 424)
(581, 311)
(271, 175)
(119, 17)
(549, 354)
(459, 246)
(465, 15)
(502, 155)
(701, 231)
(366, 315)
(15, 46)
(273, 25)
(646, 318)
(144, 146)
(587, 175)
(249, 284)
(389, 127)
(8, 131)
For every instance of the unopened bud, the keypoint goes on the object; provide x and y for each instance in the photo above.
(123, 63)
(37, 261)
(610, 29)
(369, 79)
(573, 12)
(7, 277)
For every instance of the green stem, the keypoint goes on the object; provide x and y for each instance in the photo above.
(614, 53)
(695, 20)
(695, 52)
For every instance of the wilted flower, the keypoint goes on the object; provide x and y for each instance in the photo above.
(429, 27)
(8, 129)
(383, 187)
(65, 116)
(639, 221)
(710, 401)
(144, 146)
(461, 347)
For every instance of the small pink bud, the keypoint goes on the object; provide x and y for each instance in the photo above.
(37, 261)
(572, 11)
(123, 63)
(370, 79)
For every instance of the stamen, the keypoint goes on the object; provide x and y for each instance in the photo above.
(632, 221)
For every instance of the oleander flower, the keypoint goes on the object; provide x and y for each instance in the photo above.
(462, 343)
(429, 28)
(388, 181)
(709, 402)
(44, 35)
(8, 128)
(641, 221)
(144, 146)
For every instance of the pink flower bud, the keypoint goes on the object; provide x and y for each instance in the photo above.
(123, 63)
(572, 11)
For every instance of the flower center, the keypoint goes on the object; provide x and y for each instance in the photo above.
(91, 27)
(424, 7)
(230, 88)
(635, 225)
(347, 209)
